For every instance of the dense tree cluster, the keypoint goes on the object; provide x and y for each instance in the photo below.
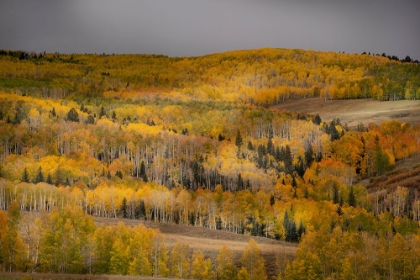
(67, 241)
(184, 140)
(264, 76)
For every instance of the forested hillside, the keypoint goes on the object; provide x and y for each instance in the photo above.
(191, 141)
(264, 76)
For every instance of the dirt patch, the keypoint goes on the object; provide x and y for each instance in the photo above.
(356, 111)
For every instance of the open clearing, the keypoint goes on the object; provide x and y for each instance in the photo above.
(209, 241)
(355, 111)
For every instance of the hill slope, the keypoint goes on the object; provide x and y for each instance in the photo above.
(355, 111)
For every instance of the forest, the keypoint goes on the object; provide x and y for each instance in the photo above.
(195, 141)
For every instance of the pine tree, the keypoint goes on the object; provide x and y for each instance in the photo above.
(302, 230)
(317, 120)
(25, 176)
(39, 176)
(49, 179)
(250, 146)
(123, 209)
(238, 140)
(119, 174)
(294, 184)
(143, 172)
(90, 120)
(72, 115)
(270, 146)
(336, 195)
(352, 198)
(288, 160)
(240, 182)
(102, 112)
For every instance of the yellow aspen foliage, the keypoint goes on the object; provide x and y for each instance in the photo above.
(201, 268)
(225, 267)
(158, 255)
(180, 260)
(243, 274)
(253, 262)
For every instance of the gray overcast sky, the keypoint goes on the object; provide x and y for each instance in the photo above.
(198, 27)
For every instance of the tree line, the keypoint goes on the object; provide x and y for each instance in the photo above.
(67, 241)
(263, 77)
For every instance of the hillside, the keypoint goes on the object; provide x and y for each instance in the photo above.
(356, 111)
(263, 76)
(194, 149)
(210, 241)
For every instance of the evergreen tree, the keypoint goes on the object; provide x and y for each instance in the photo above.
(49, 179)
(240, 182)
(294, 184)
(288, 160)
(336, 196)
(90, 120)
(17, 119)
(317, 120)
(250, 146)
(270, 146)
(119, 174)
(238, 140)
(39, 176)
(309, 156)
(25, 176)
(123, 209)
(352, 198)
(102, 112)
(140, 211)
(302, 230)
(339, 211)
(143, 174)
(306, 195)
(72, 115)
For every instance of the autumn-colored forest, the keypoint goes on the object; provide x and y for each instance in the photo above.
(194, 141)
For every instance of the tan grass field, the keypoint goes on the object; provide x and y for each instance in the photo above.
(209, 241)
(355, 111)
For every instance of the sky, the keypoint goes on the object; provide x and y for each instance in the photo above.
(199, 27)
